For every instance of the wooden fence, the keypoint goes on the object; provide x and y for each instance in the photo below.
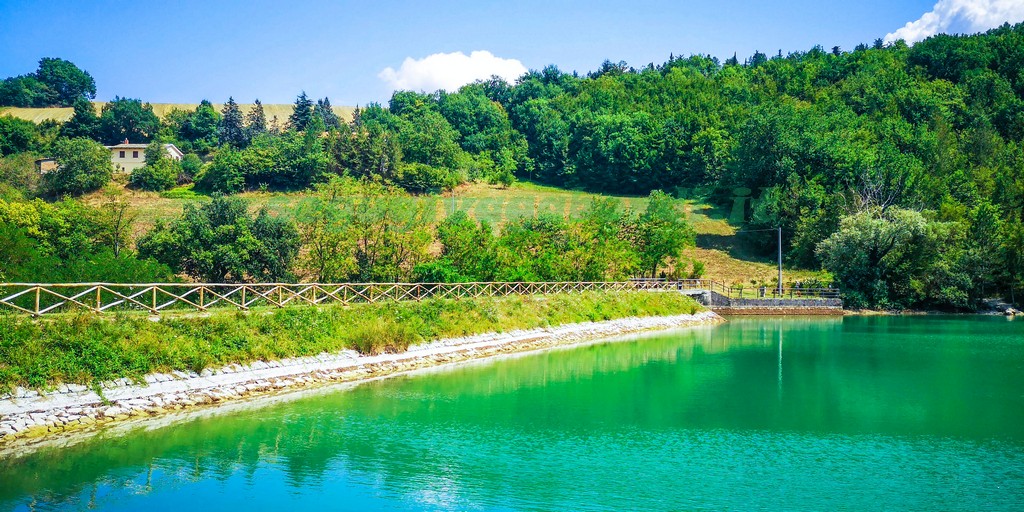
(40, 299)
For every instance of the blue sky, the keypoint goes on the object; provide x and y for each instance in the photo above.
(181, 52)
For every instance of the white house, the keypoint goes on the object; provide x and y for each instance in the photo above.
(127, 157)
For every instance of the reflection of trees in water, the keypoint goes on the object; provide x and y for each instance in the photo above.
(407, 434)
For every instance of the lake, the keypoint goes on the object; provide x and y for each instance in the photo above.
(854, 413)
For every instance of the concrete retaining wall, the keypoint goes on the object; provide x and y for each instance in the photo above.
(769, 306)
(786, 303)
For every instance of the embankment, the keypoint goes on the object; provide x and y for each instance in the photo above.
(147, 366)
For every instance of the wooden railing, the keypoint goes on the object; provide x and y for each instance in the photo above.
(739, 291)
(39, 299)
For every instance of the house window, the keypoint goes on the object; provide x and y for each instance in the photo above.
(121, 155)
(135, 154)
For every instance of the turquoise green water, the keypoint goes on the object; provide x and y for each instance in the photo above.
(906, 413)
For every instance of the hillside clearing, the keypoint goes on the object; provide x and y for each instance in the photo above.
(718, 247)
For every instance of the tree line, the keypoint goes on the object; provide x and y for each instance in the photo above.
(348, 230)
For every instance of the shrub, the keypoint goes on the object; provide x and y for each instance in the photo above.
(381, 335)
(224, 174)
(157, 177)
(698, 270)
(420, 178)
(191, 165)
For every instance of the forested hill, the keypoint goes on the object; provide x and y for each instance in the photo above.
(823, 138)
(948, 107)
(898, 169)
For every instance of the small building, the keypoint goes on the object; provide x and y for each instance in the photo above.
(127, 157)
(45, 165)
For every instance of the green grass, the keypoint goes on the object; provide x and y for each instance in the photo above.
(87, 349)
(482, 202)
(718, 246)
(184, 192)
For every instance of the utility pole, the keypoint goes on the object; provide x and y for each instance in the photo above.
(780, 262)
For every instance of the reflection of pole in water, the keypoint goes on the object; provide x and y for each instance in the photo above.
(780, 360)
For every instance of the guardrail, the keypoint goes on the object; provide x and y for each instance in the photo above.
(39, 299)
(739, 291)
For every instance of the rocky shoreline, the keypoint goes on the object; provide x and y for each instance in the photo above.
(28, 417)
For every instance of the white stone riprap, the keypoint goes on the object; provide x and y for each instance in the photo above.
(27, 415)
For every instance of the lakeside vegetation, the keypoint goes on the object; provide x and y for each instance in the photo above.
(899, 170)
(87, 349)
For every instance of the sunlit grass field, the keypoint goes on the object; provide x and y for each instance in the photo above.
(726, 259)
(482, 202)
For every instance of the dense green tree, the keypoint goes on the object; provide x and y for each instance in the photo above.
(23, 91)
(896, 258)
(17, 136)
(467, 251)
(127, 119)
(221, 242)
(661, 233)
(404, 103)
(65, 82)
(83, 165)
(83, 123)
(484, 127)
(304, 158)
(364, 231)
(224, 174)
(200, 127)
(56, 83)
(427, 138)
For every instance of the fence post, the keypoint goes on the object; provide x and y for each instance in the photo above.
(97, 299)
(37, 300)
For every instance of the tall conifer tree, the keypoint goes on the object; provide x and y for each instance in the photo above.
(302, 114)
(324, 110)
(256, 120)
(230, 129)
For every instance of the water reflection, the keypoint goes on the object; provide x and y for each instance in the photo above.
(605, 424)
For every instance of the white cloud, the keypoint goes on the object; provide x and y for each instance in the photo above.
(960, 16)
(449, 71)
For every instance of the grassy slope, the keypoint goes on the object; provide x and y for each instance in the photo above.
(37, 115)
(725, 259)
(87, 348)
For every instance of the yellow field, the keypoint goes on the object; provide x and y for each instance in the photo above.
(38, 115)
